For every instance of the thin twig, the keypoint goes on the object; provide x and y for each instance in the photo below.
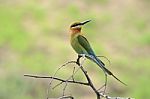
(105, 58)
(71, 77)
(58, 79)
(57, 85)
(66, 83)
(48, 90)
(63, 97)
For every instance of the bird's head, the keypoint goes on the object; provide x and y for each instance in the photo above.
(76, 27)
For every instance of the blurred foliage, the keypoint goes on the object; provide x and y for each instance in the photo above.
(34, 39)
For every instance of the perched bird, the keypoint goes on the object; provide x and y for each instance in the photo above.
(81, 45)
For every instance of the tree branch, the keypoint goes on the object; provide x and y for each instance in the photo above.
(58, 79)
(71, 80)
(87, 77)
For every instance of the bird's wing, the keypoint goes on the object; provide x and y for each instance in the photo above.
(85, 44)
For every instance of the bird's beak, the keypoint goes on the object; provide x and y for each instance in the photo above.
(84, 22)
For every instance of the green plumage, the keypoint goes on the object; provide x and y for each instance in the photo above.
(81, 45)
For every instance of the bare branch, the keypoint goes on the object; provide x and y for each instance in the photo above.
(106, 59)
(69, 62)
(71, 79)
(108, 97)
(87, 77)
(62, 80)
(63, 97)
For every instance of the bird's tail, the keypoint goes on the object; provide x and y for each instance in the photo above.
(102, 66)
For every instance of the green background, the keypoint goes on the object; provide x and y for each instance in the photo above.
(34, 39)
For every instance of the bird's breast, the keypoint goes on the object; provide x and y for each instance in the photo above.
(76, 45)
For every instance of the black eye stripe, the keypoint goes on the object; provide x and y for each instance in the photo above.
(76, 24)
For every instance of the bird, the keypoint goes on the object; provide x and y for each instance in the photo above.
(82, 46)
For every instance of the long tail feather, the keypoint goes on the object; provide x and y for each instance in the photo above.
(102, 66)
(110, 73)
